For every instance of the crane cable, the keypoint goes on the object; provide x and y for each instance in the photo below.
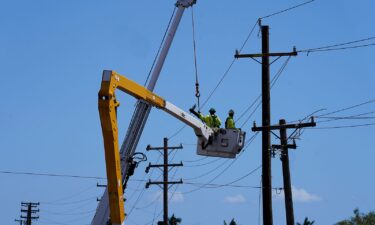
(197, 93)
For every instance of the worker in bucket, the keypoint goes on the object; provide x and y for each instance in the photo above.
(229, 122)
(212, 120)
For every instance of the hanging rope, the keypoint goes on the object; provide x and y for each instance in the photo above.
(197, 93)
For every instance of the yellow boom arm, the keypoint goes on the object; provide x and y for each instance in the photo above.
(107, 110)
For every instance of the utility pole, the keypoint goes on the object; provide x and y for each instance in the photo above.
(266, 120)
(165, 181)
(284, 146)
(27, 212)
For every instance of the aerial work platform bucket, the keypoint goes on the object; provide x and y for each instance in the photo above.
(224, 143)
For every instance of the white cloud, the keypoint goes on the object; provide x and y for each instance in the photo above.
(172, 196)
(300, 195)
(236, 199)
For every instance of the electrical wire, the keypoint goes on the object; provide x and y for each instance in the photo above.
(208, 172)
(221, 78)
(288, 9)
(347, 108)
(51, 175)
(142, 192)
(229, 184)
(71, 202)
(345, 126)
(308, 116)
(134, 207)
(69, 214)
(204, 164)
(71, 209)
(343, 48)
(273, 82)
(246, 40)
(335, 46)
(70, 196)
(197, 160)
(224, 170)
(351, 117)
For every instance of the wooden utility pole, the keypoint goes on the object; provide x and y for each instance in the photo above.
(266, 121)
(165, 181)
(286, 173)
(266, 135)
(28, 209)
(284, 146)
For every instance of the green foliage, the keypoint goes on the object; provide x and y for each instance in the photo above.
(359, 219)
(306, 222)
(174, 220)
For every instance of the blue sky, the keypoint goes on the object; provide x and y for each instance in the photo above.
(52, 56)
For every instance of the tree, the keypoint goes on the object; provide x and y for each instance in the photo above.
(359, 219)
(232, 222)
(306, 222)
(174, 221)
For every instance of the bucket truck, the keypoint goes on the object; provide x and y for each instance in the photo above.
(220, 143)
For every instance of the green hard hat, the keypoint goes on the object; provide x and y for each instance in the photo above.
(212, 110)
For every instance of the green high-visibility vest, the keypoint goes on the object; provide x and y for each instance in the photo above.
(229, 123)
(212, 121)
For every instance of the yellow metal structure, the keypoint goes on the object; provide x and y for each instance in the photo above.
(108, 117)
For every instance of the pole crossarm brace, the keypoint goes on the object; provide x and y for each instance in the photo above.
(287, 126)
(162, 182)
(148, 148)
(291, 146)
(162, 165)
(32, 211)
(33, 204)
(32, 217)
(259, 55)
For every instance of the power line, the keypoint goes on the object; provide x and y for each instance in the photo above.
(246, 40)
(72, 209)
(308, 116)
(288, 9)
(221, 79)
(273, 82)
(342, 48)
(229, 184)
(345, 126)
(225, 169)
(351, 117)
(142, 192)
(196, 160)
(52, 175)
(208, 172)
(70, 196)
(334, 46)
(347, 108)
(204, 164)
(71, 202)
(68, 214)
